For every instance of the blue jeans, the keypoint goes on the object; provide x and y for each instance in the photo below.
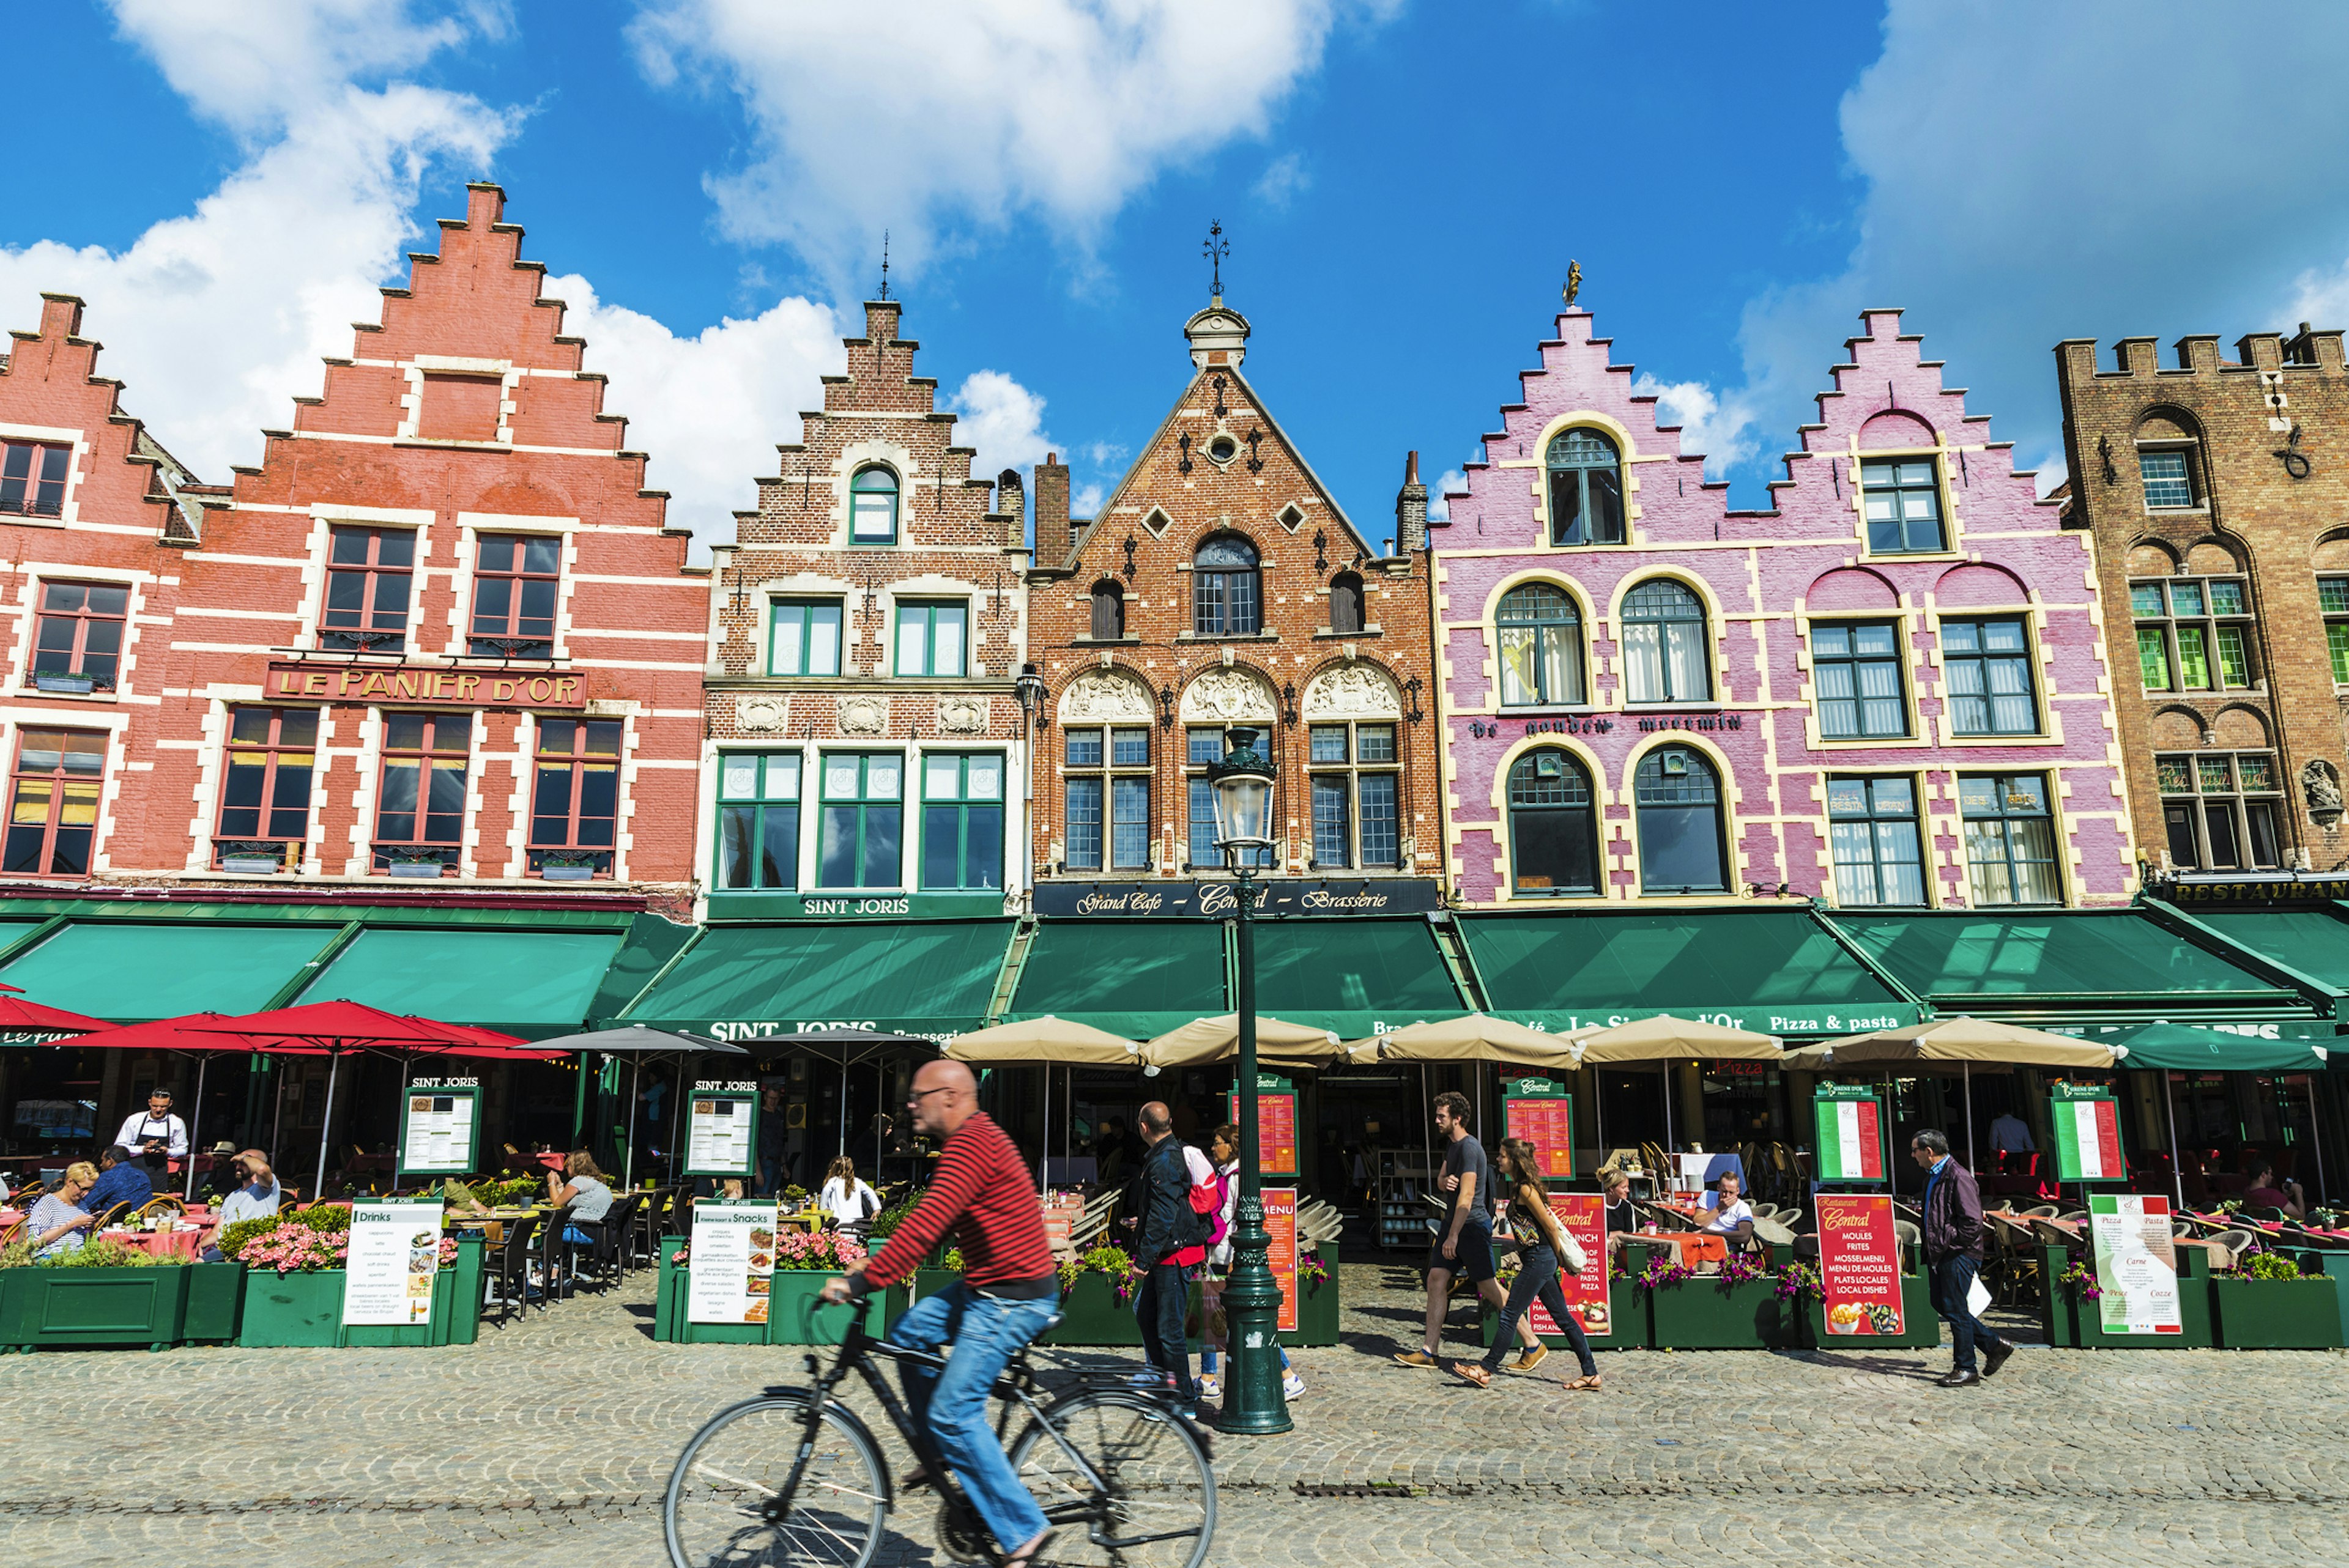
(1953, 1279)
(952, 1403)
(1537, 1278)
(1158, 1307)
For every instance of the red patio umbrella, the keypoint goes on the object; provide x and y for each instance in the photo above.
(199, 1036)
(22, 1017)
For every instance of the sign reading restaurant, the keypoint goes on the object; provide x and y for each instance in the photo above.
(1275, 898)
(2293, 889)
(296, 680)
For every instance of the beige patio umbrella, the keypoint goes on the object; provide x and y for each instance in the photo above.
(1474, 1038)
(1662, 1039)
(1062, 1042)
(1203, 1042)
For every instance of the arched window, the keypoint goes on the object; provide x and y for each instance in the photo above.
(1586, 489)
(1345, 603)
(1109, 611)
(1679, 799)
(1541, 647)
(1226, 595)
(872, 506)
(1664, 654)
(1553, 830)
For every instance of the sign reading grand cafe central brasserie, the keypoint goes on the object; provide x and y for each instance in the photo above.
(1219, 900)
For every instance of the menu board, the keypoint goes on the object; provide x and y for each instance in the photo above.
(439, 1135)
(2088, 1134)
(1280, 1224)
(1583, 1216)
(2137, 1263)
(1860, 1265)
(395, 1251)
(721, 1129)
(734, 1263)
(1062, 1213)
(1850, 1133)
(1543, 1118)
(1275, 1124)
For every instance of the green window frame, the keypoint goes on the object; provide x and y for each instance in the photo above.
(1879, 855)
(758, 821)
(962, 821)
(2193, 634)
(863, 831)
(872, 506)
(2333, 598)
(804, 637)
(1586, 489)
(1901, 499)
(933, 638)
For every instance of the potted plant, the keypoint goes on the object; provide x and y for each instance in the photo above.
(101, 1293)
(423, 867)
(2269, 1304)
(2076, 1306)
(1097, 1300)
(1317, 1301)
(570, 865)
(803, 1261)
(65, 682)
(1737, 1309)
(295, 1276)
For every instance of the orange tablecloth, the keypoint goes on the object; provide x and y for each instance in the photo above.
(161, 1244)
(1695, 1246)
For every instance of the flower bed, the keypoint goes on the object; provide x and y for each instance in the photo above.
(2270, 1305)
(800, 1273)
(293, 1281)
(2073, 1312)
(1737, 1309)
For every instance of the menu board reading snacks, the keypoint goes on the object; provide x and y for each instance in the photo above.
(1275, 1124)
(2087, 1135)
(2137, 1263)
(732, 1263)
(1851, 1142)
(393, 1253)
(1859, 1263)
(1583, 1216)
(721, 1127)
(440, 1133)
(1281, 1223)
(1544, 1119)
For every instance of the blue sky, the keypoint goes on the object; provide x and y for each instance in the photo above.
(226, 182)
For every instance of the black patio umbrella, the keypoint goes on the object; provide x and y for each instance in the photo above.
(638, 1041)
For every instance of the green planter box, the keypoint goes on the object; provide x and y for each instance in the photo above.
(215, 1297)
(72, 1306)
(788, 1321)
(1700, 1313)
(2078, 1322)
(2336, 1265)
(1920, 1326)
(305, 1310)
(1091, 1315)
(928, 1282)
(1317, 1311)
(2277, 1313)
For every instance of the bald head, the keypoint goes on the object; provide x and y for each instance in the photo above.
(945, 1096)
(1155, 1120)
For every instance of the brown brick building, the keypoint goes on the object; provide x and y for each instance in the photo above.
(2217, 492)
(1222, 586)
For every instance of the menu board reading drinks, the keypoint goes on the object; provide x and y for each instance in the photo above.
(1546, 1119)
(2137, 1264)
(1275, 1124)
(721, 1123)
(2087, 1135)
(1860, 1265)
(1583, 1216)
(1280, 1224)
(734, 1263)
(1851, 1142)
(392, 1259)
(438, 1131)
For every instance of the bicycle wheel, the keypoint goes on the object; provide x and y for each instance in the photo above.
(723, 1509)
(1123, 1479)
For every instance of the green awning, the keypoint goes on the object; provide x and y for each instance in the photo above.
(132, 971)
(2181, 1047)
(2063, 964)
(1777, 972)
(1132, 977)
(1355, 976)
(530, 983)
(746, 981)
(2315, 942)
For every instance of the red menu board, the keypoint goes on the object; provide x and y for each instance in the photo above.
(1583, 1216)
(1859, 1263)
(1276, 1130)
(1060, 1216)
(1547, 1123)
(1281, 1223)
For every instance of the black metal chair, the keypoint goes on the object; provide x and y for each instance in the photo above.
(554, 1255)
(512, 1265)
(604, 1262)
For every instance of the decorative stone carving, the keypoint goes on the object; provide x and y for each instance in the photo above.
(1352, 691)
(1229, 694)
(758, 713)
(864, 716)
(1105, 697)
(2322, 784)
(962, 716)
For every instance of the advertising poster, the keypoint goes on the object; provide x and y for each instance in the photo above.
(395, 1251)
(734, 1263)
(722, 1127)
(1583, 1216)
(1851, 1142)
(2087, 1135)
(1860, 1265)
(2137, 1265)
(1546, 1120)
(1275, 1124)
(438, 1131)
(1281, 1223)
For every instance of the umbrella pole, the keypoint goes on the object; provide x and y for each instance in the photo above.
(2177, 1158)
(278, 1125)
(1426, 1135)
(1966, 1074)
(844, 1102)
(629, 1125)
(326, 1125)
(2316, 1138)
(196, 1122)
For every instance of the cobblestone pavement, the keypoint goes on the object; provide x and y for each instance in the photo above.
(547, 1443)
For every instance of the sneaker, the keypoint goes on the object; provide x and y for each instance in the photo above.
(1417, 1358)
(1532, 1356)
(1292, 1385)
(1210, 1386)
(1150, 1377)
(1188, 1412)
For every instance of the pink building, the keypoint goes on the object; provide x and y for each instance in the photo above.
(1891, 690)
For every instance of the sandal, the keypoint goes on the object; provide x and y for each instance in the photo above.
(1043, 1544)
(1470, 1372)
(1584, 1385)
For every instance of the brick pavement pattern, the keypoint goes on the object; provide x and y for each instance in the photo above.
(548, 1443)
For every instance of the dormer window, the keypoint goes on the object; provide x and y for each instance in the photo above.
(872, 506)
(1586, 489)
(1108, 612)
(33, 480)
(1226, 590)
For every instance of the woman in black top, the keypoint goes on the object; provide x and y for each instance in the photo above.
(1541, 1241)
(1622, 1214)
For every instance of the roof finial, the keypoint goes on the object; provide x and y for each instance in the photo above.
(885, 264)
(1216, 249)
(1573, 281)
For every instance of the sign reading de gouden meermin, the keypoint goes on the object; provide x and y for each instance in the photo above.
(296, 681)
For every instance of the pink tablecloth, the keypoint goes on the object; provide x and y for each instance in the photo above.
(160, 1243)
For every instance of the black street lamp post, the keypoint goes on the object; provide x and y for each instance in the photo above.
(1243, 782)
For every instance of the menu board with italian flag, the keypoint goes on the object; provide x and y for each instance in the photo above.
(439, 1131)
(2088, 1134)
(1543, 1115)
(1859, 1263)
(1851, 1133)
(2137, 1263)
(1280, 1224)
(721, 1129)
(1583, 1216)
(1275, 1124)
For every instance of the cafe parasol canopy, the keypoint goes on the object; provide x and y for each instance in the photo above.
(1054, 1041)
(1659, 1041)
(1472, 1037)
(1203, 1042)
(1966, 1042)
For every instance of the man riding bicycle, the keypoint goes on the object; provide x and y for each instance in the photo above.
(1009, 1289)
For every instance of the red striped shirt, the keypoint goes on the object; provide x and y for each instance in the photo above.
(983, 1197)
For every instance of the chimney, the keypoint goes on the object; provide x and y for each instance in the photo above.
(1011, 504)
(1055, 539)
(1411, 509)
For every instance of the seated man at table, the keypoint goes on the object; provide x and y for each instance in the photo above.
(1729, 1215)
(256, 1196)
(2262, 1192)
(122, 1178)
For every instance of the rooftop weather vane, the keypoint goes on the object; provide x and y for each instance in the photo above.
(1215, 250)
(885, 264)
(1573, 281)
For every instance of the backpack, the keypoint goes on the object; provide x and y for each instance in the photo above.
(1219, 1227)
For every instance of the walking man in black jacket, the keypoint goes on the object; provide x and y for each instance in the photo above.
(1167, 1244)
(1953, 1249)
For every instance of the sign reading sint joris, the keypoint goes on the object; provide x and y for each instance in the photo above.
(299, 681)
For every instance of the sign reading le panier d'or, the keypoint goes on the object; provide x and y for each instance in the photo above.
(297, 680)
(1277, 897)
(1850, 1130)
(440, 1129)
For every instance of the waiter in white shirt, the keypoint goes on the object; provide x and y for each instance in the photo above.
(156, 1129)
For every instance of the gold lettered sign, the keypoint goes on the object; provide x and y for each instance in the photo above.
(301, 681)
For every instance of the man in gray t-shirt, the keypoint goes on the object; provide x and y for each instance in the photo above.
(1466, 1158)
(1465, 1243)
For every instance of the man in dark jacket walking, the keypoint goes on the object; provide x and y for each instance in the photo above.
(1168, 1238)
(1953, 1249)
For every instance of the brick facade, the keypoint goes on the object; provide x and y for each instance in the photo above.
(2217, 502)
(1219, 474)
(1681, 645)
(878, 623)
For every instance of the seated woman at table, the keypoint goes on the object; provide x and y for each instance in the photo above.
(1622, 1214)
(1729, 1215)
(59, 1222)
(848, 1198)
(585, 1190)
(2261, 1192)
(122, 1178)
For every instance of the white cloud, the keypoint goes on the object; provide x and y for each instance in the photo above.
(1438, 509)
(935, 116)
(1003, 419)
(1718, 427)
(1284, 179)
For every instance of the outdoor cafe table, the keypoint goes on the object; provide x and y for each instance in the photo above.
(185, 1242)
(2218, 1258)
